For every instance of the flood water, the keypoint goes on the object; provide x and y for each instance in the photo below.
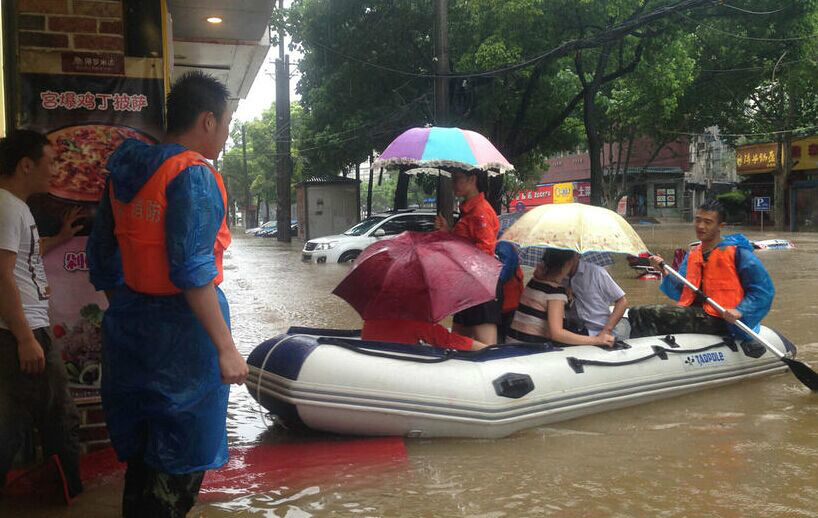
(745, 450)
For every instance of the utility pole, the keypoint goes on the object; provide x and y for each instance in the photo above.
(445, 198)
(283, 139)
(369, 190)
(246, 178)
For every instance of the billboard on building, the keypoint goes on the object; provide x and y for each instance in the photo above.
(756, 158)
(566, 192)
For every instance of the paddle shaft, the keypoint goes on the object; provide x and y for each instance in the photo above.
(744, 327)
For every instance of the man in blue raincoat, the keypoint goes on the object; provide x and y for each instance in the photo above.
(725, 270)
(156, 249)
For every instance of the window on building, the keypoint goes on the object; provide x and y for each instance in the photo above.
(665, 196)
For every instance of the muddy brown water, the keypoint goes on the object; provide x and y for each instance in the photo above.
(746, 450)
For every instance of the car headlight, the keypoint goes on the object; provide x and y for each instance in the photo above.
(326, 246)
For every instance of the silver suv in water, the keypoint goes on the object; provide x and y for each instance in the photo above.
(347, 246)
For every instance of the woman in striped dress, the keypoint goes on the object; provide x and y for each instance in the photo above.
(541, 311)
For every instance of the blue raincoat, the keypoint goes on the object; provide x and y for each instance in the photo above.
(758, 287)
(507, 254)
(161, 385)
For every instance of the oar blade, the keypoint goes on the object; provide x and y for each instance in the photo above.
(801, 371)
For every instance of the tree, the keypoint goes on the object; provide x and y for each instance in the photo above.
(764, 83)
(522, 69)
(260, 180)
(419, 187)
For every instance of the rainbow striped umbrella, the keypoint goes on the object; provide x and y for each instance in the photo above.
(430, 150)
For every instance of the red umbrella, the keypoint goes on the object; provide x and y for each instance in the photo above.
(419, 276)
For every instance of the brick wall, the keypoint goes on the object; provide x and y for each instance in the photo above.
(82, 25)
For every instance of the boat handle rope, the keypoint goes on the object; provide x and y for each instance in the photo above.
(447, 353)
(578, 364)
(262, 371)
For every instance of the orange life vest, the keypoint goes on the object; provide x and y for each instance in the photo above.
(718, 278)
(512, 290)
(140, 229)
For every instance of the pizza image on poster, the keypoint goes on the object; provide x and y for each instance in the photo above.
(81, 154)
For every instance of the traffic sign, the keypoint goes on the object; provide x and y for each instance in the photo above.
(761, 204)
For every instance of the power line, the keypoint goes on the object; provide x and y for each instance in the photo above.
(761, 67)
(778, 132)
(742, 37)
(753, 12)
(386, 119)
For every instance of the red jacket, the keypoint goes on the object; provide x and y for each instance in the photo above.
(512, 290)
(413, 332)
(478, 223)
(139, 227)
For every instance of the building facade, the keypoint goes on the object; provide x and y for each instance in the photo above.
(758, 164)
(653, 180)
(712, 168)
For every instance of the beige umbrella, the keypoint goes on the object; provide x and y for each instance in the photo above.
(576, 226)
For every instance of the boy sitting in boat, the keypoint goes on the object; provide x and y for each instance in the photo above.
(541, 311)
(725, 269)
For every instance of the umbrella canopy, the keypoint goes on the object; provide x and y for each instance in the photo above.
(432, 149)
(576, 226)
(531, 255)
(419, 276)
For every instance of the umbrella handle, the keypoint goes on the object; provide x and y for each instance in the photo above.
(744, 327)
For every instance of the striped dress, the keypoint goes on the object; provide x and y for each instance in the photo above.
(530, 322)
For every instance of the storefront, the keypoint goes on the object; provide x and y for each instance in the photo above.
(758, 164)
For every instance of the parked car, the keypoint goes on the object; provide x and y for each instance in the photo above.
(273, 232)
(265, 226)
(346, 247)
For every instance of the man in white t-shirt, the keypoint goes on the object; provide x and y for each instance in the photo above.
(33, 381)
(594, 292)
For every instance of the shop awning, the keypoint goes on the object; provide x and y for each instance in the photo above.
(233, 51)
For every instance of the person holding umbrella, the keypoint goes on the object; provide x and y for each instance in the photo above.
(403, 286)
(478, 223)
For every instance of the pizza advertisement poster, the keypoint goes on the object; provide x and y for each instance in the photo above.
(85, 117)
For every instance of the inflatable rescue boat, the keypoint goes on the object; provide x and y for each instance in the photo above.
(332, 381)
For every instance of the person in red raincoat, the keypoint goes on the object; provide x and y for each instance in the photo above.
(417, 331)
(479, 224)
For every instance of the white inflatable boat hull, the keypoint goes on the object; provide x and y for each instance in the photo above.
(348, 386)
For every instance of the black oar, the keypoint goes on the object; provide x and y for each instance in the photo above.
(801, 370)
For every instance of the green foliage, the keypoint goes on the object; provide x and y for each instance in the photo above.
(383, 196)
(261, 136)
(365, 75)
(736, 203)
